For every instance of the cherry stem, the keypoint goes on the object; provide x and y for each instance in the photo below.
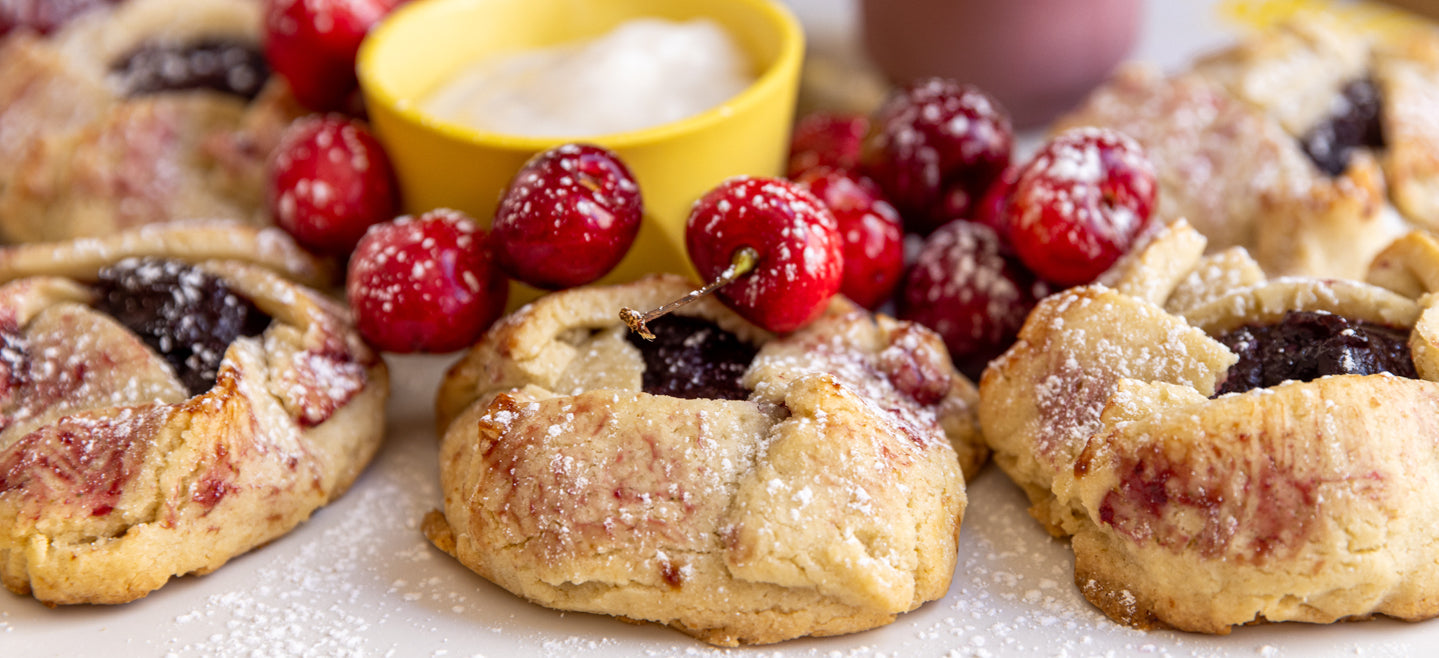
(741, 263)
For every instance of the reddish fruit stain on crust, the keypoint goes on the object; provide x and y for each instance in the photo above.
(217, 481)
(323, 381)
(1218, 502)
(82, 462)
(672, 575)
(639, 489)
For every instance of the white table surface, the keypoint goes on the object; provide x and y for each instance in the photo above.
(360, 580)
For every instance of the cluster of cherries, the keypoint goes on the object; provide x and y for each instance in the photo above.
(933, 162)
(436, 281)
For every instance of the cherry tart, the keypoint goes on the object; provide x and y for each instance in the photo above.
(1225, 449)
(167, 404)
(740, 487)
(1310, 144)
(137, 112)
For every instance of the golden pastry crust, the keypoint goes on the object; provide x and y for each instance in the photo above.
(114, 478)
(1293, 71)
(78, 157)
(1407, 72)
(1259, 98)
(1299, 502)
(827, 502)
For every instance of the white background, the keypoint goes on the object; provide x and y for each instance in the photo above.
(360, 580)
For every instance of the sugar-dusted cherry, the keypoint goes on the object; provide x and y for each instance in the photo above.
(568, 217)
(827, 139)
(937, 146)
(870, 228)
(965, 287)
(312, 44)
(1080, 204)
(425, 283)
(329, 181)
(771, 251)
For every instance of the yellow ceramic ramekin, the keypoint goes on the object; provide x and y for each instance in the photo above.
(442, 164)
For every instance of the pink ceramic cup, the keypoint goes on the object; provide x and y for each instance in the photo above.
(1038, 57)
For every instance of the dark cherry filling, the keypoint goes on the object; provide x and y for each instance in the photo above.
(1353, 124)
(230, 67)
(1307, 345)
(186, 314)
(693, 358)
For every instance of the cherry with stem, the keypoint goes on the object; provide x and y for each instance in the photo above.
(772, 252)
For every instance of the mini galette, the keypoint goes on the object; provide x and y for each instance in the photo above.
(1227, 449)
(738, 486)
(1311, 144)
(168, 401)
(139, 112)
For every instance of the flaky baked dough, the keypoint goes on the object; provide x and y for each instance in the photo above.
(1300, 502)
(828, 502)
(79, 158)
(113, 478)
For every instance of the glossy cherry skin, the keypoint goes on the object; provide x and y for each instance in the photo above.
(425, 283)
(827, 139)
(992, 207)
(965, 287)
(568, 217)
(801, 253)
(312, 44)
(937, 146)
(329, 181)
(1080, 204)
(870, 227)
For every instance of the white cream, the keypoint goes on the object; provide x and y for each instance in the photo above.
(644, 73)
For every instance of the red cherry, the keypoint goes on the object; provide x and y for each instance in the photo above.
(770, 250)
(425, 284)
(992, 206)
(800, 259)
(43, 16)
(965, 288)
(937, 147)
(329, 181)
(825, 139)
(312, 44)
(870, 228)
(569, 216)
(1080, 204)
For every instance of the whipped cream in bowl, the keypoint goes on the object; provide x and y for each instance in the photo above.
(643, 73)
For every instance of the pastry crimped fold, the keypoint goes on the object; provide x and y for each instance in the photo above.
(114, 477)
(1305, 501)
(827, 502)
